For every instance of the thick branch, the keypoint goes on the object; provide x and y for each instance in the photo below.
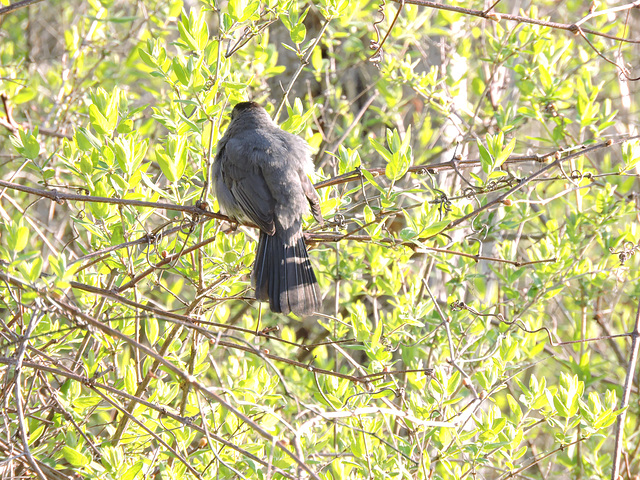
(60, 197)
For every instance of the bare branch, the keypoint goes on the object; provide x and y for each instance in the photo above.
(573, 27)
(16, 6)
(626, 394)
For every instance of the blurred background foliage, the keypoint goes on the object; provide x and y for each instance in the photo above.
(439, 349)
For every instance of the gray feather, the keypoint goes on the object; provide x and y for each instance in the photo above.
(260, 177)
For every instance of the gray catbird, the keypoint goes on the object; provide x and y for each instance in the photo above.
(260, 177)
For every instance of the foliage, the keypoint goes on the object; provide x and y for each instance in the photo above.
(477, 260)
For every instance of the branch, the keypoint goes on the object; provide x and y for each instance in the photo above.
(191, 380)
(24, 436)
(557, 162)
(626, 393)
(169, 259)
(92, 384)
(151, 433)
(326, 415)
(337, 237)
(573, 28)
(147, 238)
(60, 197)
(432, 168)
(303, 63)
(192, 323)
(17, 5)
(561, 448)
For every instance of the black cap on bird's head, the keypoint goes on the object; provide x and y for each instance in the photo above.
(243, 107)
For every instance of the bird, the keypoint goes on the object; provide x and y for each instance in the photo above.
(260, 177)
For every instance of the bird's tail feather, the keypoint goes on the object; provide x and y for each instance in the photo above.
(283, 275)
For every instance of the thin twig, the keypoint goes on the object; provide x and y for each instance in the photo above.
(626, 393)
(304, 61)
(356, 121)
(573, 28)
(561, 448)
(337, 237)
(21, 350)
(597, 13)
(157, 438)
(524, 181)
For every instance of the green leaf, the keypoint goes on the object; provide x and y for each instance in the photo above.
(36, 434)
(203, 36)
(123, 153)
(515, 407)
(112, 110)
(371, 179)
(36, 268)
(86, 140)
(185, 33)
(375, 338)
(180, 72)
(152, 330)
(31, 271)
(545, 77)
(407, 234)
(172, 157)
(31, 146)
(485, 158)
(434, 229)
(17, 238)
(26, 144)
(504, 154)
(497, 174)
(369, 216)
(74, 457)
(519, 453)
(359, 322)
(147, 181)
(630, 155)
(399, 162)
(146, 58)
(131, 473)
(560, 406)
(316, 60)
(126, 126)
(453, 383)
(166, 165)
(298, 33)
(130, 379)
(98, 121)
(236, 8)
(386, 154)
(397, 167)
(25, 95)
(406, 141)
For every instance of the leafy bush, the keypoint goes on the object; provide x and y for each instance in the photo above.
(477, 171)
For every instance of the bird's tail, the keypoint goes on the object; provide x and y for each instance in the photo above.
(282, 274)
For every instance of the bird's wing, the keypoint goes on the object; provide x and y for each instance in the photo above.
(247, 186)
(311, 194)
